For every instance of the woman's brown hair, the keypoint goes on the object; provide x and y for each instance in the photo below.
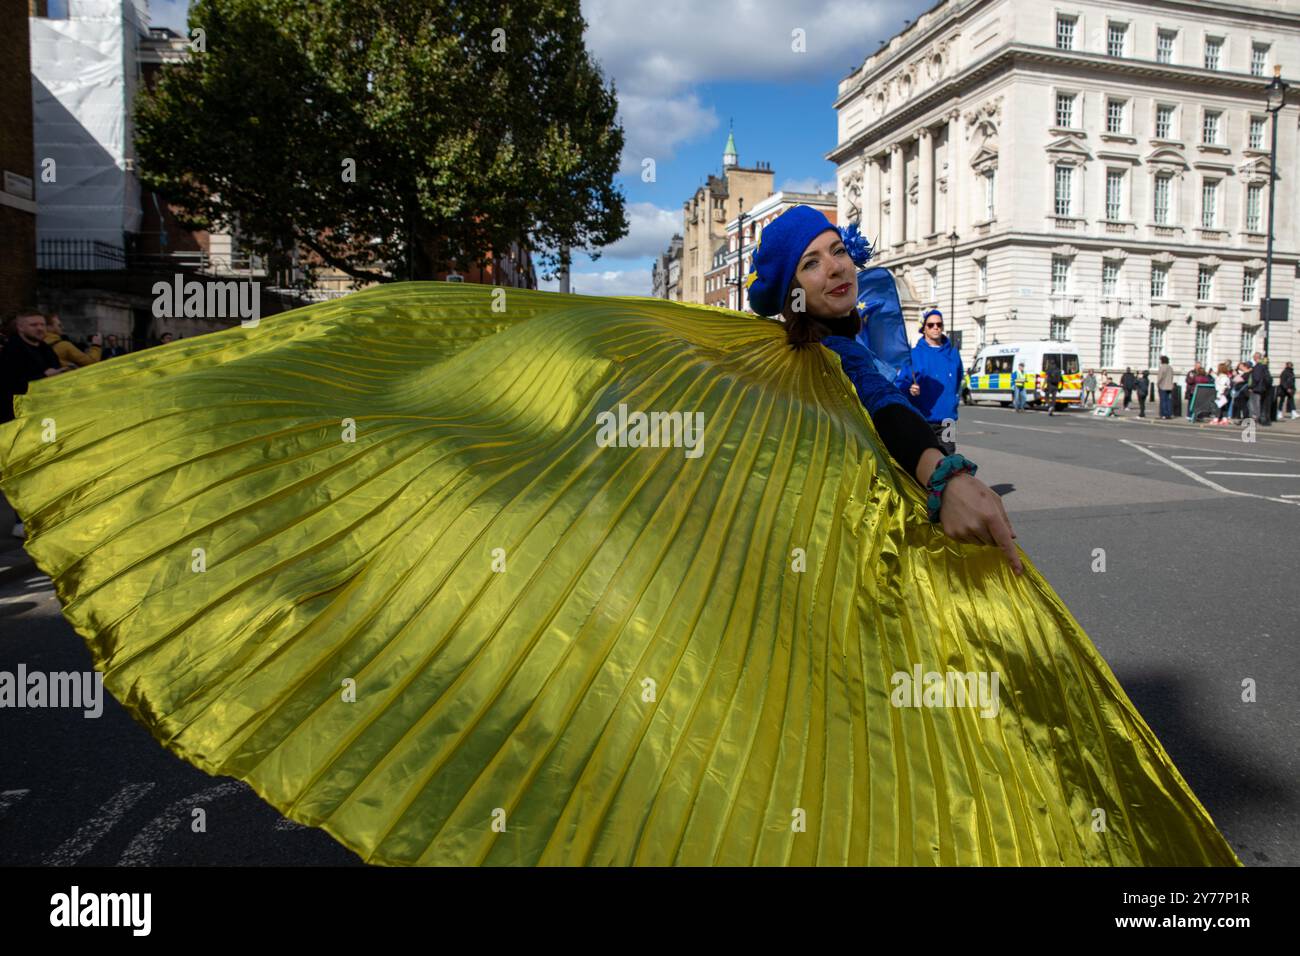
(802, 330)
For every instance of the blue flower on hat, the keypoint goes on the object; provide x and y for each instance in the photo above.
(859, 249)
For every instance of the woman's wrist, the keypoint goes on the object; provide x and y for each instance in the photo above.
(926, 465)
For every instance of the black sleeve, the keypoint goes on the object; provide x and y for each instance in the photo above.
(905, 434)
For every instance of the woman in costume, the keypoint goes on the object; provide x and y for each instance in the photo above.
(379, 559)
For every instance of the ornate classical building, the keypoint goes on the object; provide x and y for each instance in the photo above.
(706, 214)
(1089, 171)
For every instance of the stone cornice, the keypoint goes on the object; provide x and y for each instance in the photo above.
(1011, 56)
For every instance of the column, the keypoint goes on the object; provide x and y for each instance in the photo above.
(925, 186)
(897, 196)
(954, 134)
(877, 201)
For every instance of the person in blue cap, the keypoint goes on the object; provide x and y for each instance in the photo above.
(806, 271)
(936, 373)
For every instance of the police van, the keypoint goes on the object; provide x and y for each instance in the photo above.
(990, 374)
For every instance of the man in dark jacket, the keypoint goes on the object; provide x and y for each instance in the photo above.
(25, 358)
(1143, 389)
(1261, 383)
(1052, 386)
(1126, 382)
(936, 376)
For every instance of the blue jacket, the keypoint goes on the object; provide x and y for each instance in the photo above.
(939, 372)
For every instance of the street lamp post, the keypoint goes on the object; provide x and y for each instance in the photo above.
(740, 259)
(1276, 92)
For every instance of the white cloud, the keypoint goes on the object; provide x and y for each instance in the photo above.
(648, 230)
(609, 282)
(809, 184)
(656, 53)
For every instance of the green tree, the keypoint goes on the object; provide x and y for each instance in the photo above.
(471, 125)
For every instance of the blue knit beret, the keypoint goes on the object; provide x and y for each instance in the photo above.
(779, 247)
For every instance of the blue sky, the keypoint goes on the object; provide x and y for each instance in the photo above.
(684, 70)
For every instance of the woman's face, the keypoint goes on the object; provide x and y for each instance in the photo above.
(827, 276)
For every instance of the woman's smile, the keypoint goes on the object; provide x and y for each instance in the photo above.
(839, 290)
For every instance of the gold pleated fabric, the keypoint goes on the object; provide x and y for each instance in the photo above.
(372, 558)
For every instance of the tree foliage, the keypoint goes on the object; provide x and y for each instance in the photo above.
(471, 125)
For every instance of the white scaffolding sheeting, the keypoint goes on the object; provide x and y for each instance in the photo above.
(84, 78)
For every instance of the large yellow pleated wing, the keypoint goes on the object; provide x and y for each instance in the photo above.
(410, 564)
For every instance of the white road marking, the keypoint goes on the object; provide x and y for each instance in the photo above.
(1028, 428)
(1252, 474)
(9, 798)
(145, 845)
(1262, 461)
(1205, 481)
(84, 840)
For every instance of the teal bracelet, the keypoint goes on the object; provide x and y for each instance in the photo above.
(943, 472)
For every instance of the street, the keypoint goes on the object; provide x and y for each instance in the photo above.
(1173, 545)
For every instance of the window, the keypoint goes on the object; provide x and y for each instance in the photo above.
(1065, 110)
(1109, 278)
(1258, 59)
(1155, 345)
(1164, 121)
(1160, 211)
(934, 284)
(1060, 275)
(1213, 52)
(1159, 281)
(1065, 190)
(1108, 336)
(1115, 116)
(1202, 343)
(1256, 139)
(1210, 204)
(1065, 32)
(1116, 35)
(1247, 342)
(1165, 46)
(983, 278)
(1250, 287)
(1255, 207)
(1060, 331)
(1204, 284)
(1210, 127)
(998, 364)
(990, 194)
(1114, 193)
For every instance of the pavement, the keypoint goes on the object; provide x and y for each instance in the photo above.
(1174, 545)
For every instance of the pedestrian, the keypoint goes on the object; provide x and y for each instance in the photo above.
(69, 355)
(1018, 381)
(1090, 389)
(1126, 382)
(1165, 386)
(25, 358)
(1053, 385)
(1143, 388)
(1222, 385)
(936, 379)
(1261, 381)
(1287, 385)
(1240, 388)
(111, 348)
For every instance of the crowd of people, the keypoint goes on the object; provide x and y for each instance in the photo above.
(1242, 389)
(33, 345)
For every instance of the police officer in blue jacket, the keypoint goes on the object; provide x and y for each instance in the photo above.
(936, 375)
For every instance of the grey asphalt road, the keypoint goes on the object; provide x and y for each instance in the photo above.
(1198, 595)
(1202, 552)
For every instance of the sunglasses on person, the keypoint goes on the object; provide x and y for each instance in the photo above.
(934, 325)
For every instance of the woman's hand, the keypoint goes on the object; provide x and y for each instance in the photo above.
(972, 512)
